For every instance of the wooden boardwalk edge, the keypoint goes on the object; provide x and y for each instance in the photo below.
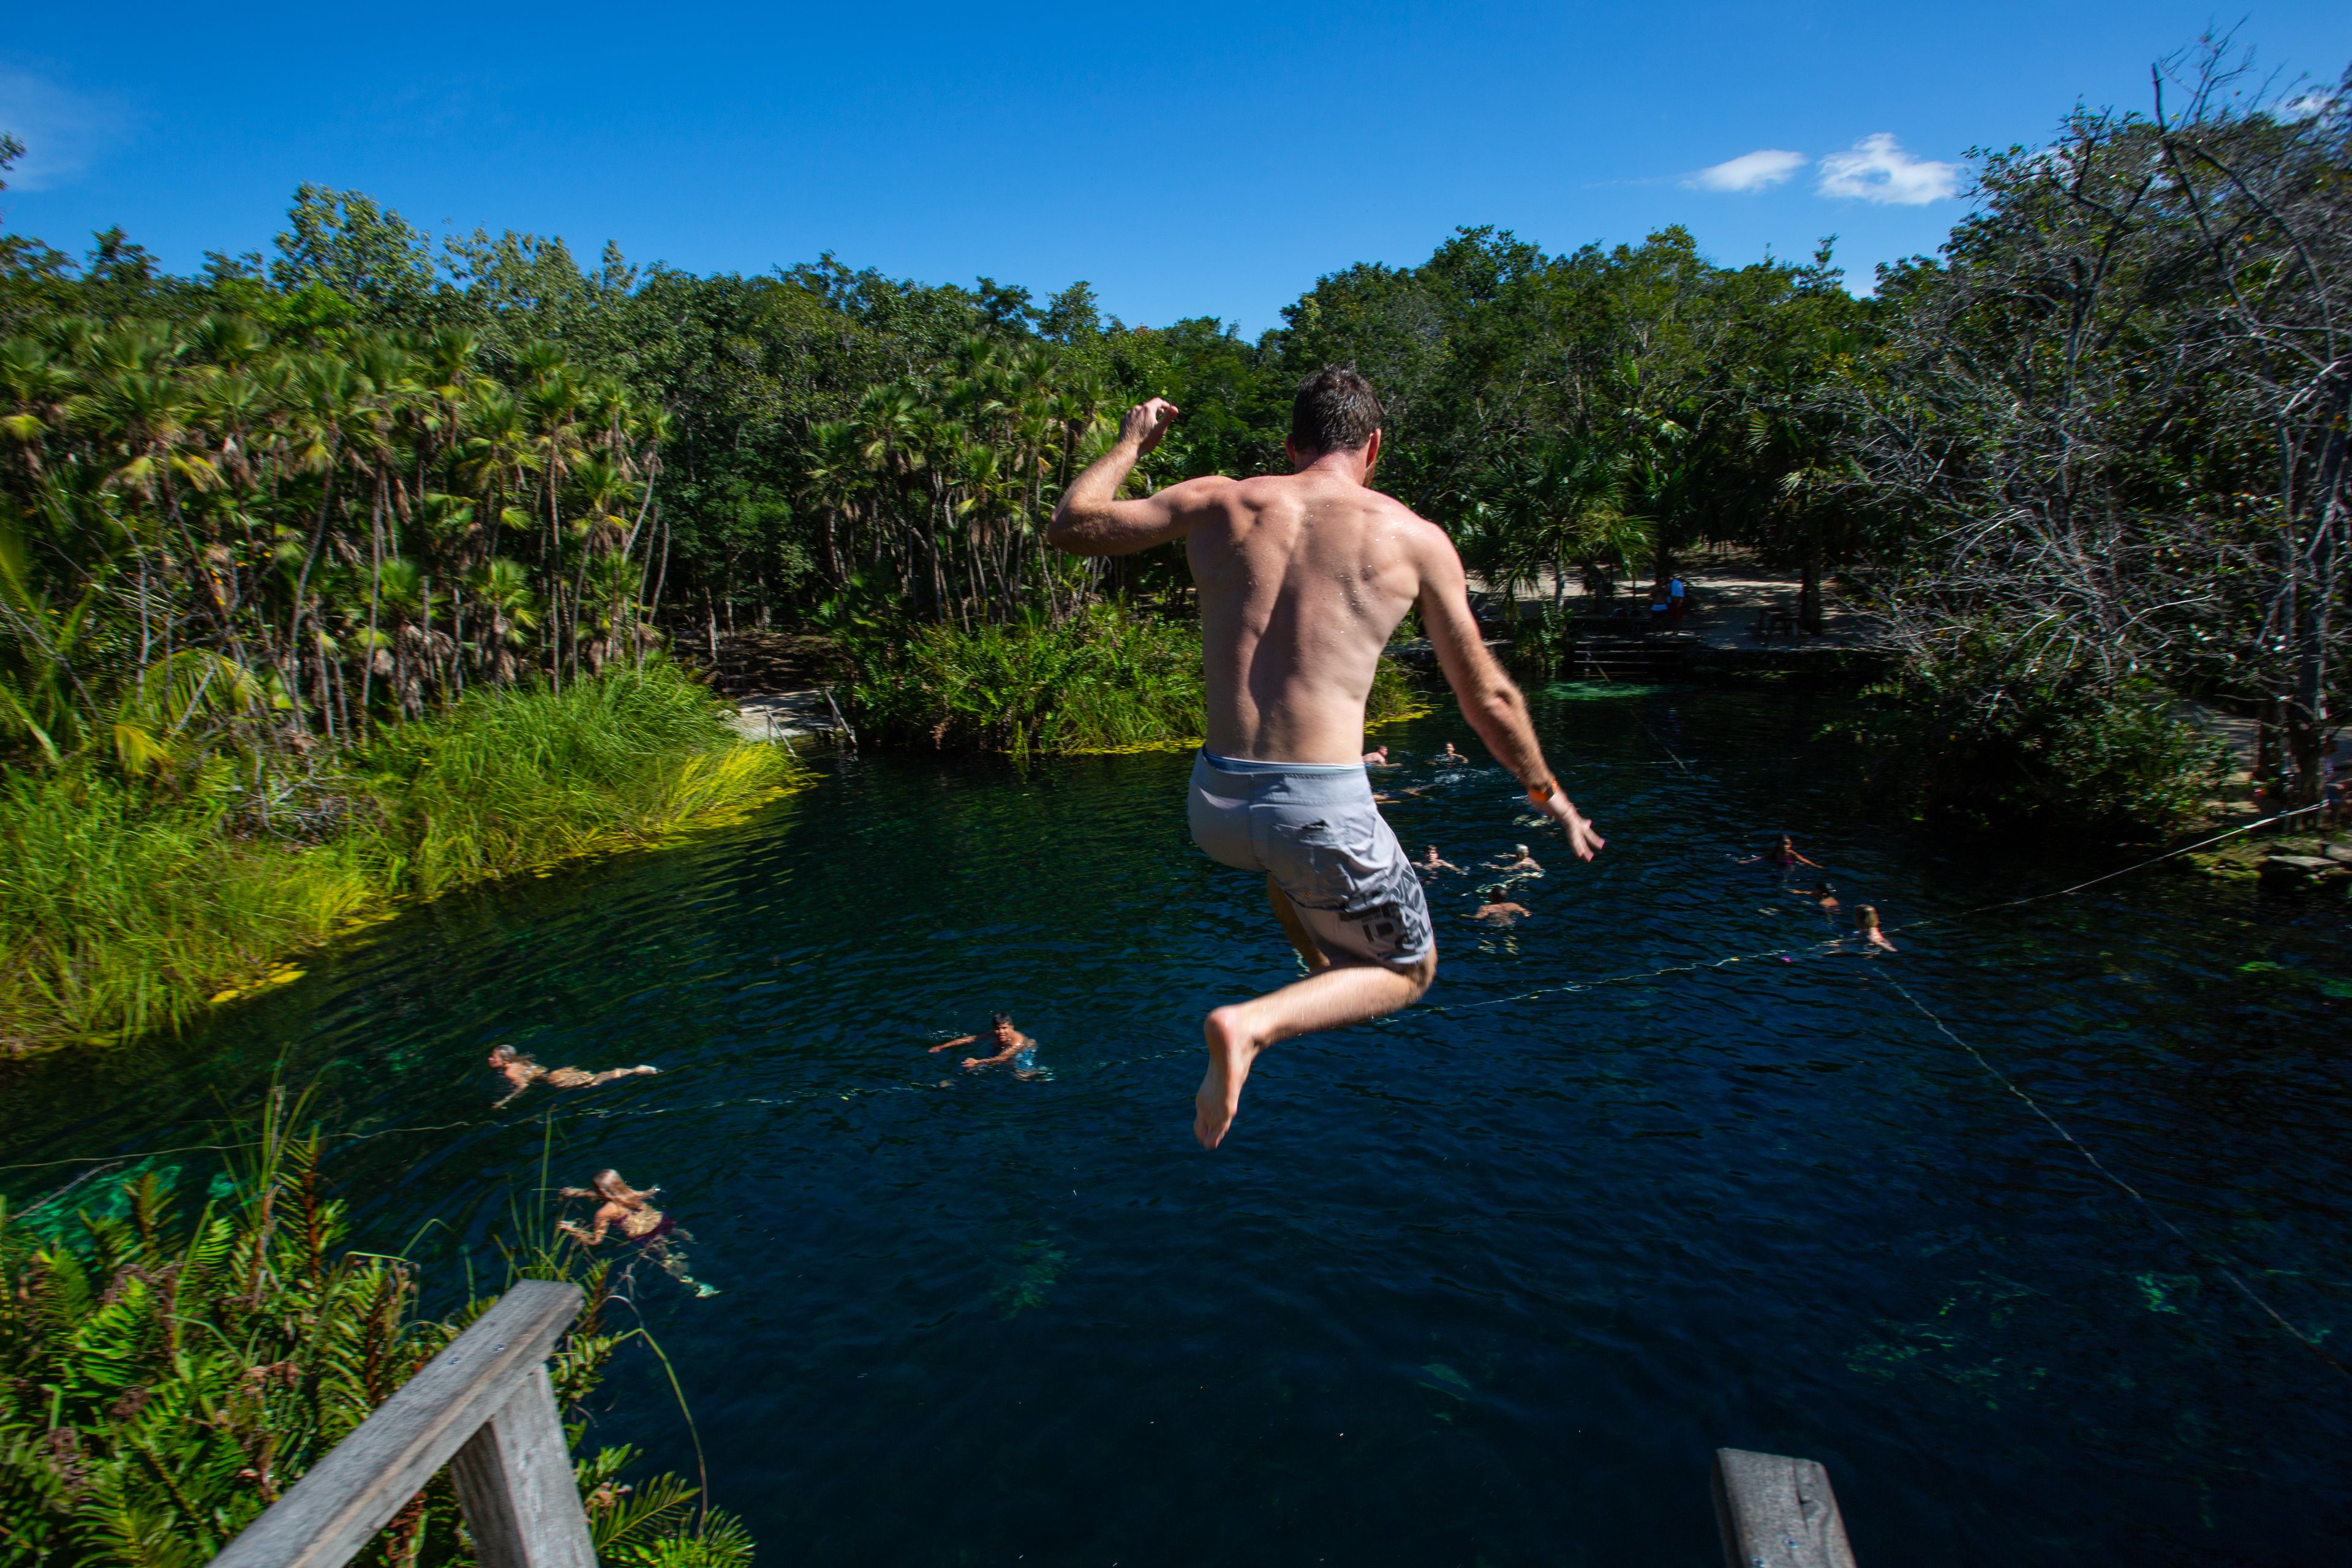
(1776, 1511)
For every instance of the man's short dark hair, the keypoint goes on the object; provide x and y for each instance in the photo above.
(996, 1018)
(1336, 411)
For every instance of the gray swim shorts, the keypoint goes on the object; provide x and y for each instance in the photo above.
(1316, 829)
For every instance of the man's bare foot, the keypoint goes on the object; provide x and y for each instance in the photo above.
(1232, 1049)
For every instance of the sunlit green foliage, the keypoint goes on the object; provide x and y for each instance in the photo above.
(171, 1363)
(124, 906)
(1102, 680)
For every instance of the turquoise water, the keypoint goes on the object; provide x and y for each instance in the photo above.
(1482, 1283)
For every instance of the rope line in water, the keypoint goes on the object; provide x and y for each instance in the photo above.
(2155, 1215)
(1823, 948)
(2111, 876)
(1837, 944)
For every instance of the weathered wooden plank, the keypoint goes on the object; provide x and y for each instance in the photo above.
(353, 1491)
(1777, 1512)
(514, 1482)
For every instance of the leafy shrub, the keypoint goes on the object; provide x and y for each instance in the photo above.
(1964, 737)
(124, 904)
(167, 1374)
(1105, 679)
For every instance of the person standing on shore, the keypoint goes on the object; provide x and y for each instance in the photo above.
(1302, 578)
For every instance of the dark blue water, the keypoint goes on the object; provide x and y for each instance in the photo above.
(1483, 1283)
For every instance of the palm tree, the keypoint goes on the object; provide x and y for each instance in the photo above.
(502, 588)
(833, 478)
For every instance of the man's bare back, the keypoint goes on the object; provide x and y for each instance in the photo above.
(1302, 578)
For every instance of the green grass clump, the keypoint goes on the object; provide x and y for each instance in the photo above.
(120, 912)
(524, 777)
(169, 1368)
(125, 905)
(1107, 679)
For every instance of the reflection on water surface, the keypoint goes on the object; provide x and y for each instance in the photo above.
(1484, 1282)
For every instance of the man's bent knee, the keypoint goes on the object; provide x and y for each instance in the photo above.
(1421, 975)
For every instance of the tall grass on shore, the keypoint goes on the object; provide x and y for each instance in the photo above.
(1107, 679)
(171, 1363)
(124, 906)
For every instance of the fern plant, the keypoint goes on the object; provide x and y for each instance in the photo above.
(170, 1370)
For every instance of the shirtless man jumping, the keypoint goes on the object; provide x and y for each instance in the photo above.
(1302, 578)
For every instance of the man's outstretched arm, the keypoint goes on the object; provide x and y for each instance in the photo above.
(1490, 700)
(1093, 521)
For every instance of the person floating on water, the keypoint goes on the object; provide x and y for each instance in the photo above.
(1866, 926)
(522, 1072)
(1431, 862)
(1302, 577)
(1783, 855)
(1518, 863)
(656, 1234)
(1012, 1046)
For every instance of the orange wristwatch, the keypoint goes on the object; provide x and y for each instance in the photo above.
(1539, 794)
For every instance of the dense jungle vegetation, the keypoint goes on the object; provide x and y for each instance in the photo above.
(2086, 461)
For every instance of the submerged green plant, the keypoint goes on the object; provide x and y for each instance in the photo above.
(169, 1370)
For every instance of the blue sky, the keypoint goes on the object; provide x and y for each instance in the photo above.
(1203, 159)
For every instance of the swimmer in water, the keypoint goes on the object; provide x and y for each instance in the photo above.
(522, 1072)
(1502, 912)
(619, 1203)
(1823, 896)
(1866, 926)
(1378, 757)
(1431, 862)
(1518, 863)
(1449, 755)
(1012, 1046)
(1783, 855)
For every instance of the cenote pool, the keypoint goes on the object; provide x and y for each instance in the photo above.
(1483, 1283)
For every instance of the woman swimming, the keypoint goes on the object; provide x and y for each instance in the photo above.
(655, 1233)
(522, 1072)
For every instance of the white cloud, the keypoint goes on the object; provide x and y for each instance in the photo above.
(1878, 170)
(1754, 171)
(2307, 105)
(62, 130)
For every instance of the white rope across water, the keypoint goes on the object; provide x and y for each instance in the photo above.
(108, 1162)
(2155, 1215)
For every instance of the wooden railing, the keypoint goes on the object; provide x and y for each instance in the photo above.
(1777, 1512)
(485, 1408)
